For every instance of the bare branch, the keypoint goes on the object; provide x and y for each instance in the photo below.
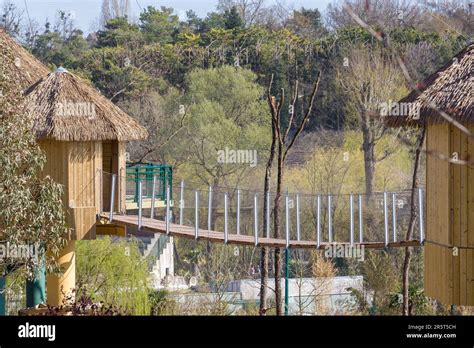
(293, 108)
(306, 116)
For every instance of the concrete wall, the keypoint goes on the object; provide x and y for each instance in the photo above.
(163, 270)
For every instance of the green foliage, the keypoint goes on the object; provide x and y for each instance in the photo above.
(306, 23)
(418, 303)
(213, 20)
(115, 73)
(226, 111)
(114, 272)
(161, 304)
(159, 25)
(117, 32)
(50, 47)
(232, 19)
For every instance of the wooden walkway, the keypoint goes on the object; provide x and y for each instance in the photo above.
(175, 230)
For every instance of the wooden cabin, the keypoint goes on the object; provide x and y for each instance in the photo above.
(449, 243)
(83, 135)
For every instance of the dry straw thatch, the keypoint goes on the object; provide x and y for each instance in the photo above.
(450, 89)
(23, 66)
(67, 108)
(63, 106)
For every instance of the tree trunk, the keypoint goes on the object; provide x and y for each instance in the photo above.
(368, 146)
(283, 149)
(263, 280)
(264, 251)
(276, 234)
(369, 166)
(406, 309)
(209, 246)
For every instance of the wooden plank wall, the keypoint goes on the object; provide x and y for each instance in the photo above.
(85, 160)
(75, 165)
(56, 165)
(437, 215)
(450, 218)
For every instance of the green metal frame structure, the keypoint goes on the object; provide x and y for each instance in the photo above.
(2, 296)
(36, 288)
(145, 172)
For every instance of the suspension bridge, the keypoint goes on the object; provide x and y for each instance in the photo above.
(238, 220)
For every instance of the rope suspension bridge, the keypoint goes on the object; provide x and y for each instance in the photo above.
(235, 216)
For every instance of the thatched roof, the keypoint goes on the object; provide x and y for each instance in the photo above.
(67, 108)
(23, 66)
(450, 89)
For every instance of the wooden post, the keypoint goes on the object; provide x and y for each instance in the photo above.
(61, 287)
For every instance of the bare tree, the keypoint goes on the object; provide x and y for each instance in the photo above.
(251, 11)
(164, 118)
(386, 13)
(10, 18)
(324, 272)
(369, 80)
(264, 251)
(113, 9)
(314, 276)
(64, 24)
(285, 142)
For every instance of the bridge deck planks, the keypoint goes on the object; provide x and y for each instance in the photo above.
(157, 226)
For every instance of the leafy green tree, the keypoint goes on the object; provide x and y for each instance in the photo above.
(233, 19)
(306, 23)
(193, 21)
(213, 20)
(116, 71)
(159, 25)
(113, 272)
(117, 32)
(226, 111)
(52, 49)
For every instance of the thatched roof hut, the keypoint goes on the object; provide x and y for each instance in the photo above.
(450, 89)
(23, 66)
(67, 108)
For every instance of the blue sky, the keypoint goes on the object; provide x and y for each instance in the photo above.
(87, 12)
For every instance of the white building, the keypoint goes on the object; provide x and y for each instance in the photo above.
(307, 296)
